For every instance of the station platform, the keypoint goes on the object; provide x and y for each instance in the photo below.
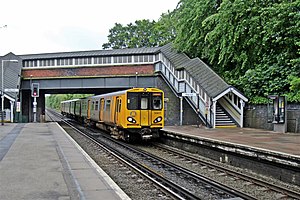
(280, 143)
(40, 161)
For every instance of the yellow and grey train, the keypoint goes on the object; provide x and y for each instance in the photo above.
(129, 115)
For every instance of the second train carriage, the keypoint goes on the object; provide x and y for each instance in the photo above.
(130, 114)
(68, 107)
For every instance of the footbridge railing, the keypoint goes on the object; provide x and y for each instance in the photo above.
(185, 87)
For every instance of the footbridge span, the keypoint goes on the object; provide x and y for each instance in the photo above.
(193, 91)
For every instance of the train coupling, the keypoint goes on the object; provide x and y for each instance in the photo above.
(146, 133)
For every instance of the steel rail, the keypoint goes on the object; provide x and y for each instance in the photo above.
(240, 175)
(170, 188)
(208, 181)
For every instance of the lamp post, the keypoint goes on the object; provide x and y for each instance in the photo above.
(2, 89)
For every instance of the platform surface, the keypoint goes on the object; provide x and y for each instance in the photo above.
(287, 143)
(40, 161)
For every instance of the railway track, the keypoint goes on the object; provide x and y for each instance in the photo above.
(173, 181)
(178, 181)
(128, 175)
(262, 189)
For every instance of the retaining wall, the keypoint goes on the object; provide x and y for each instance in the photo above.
(256, 117)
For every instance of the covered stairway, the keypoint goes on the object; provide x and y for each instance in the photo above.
(10, 80)
(210, 97)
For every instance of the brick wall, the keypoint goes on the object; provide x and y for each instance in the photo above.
(88, 71)
(172, 107)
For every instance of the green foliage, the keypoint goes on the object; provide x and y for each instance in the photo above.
(53, 101)
(190, 34)
(294, 94)
(264, 80)
(143, 33)
(164, 29)
(130, 36)
(295, 83)
(259, 100)
(253, 45)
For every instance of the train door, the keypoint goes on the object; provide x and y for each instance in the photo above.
(117, 110)
(88, 116)
(101, 109)
(145, 106)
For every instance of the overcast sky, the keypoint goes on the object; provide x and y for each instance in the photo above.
(42, 26)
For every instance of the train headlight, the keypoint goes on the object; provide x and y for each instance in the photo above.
(158, 119)
(131, 120)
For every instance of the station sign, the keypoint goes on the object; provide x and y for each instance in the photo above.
(189, 94)
(11, 90)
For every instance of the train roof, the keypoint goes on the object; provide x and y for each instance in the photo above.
(109, 94)
(71, 100)
(128, 90)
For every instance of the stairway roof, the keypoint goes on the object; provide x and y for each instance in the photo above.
(210, 81)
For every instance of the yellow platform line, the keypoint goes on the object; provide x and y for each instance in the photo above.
(232, 126)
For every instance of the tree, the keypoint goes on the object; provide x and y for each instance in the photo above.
(53, 101)
(117, 37)
(143, 33)
(131, 36)
(190, 34)
(253, 45)
(164, 29)
(294, 95)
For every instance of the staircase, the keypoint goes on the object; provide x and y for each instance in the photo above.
(223, 120)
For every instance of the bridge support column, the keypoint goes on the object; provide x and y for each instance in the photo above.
(27, 106)
(12, 111)
(181, 111)
(242, 113)
(214, 114)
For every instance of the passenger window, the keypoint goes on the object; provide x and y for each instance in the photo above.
(107, 105)
(120, 105)
(97, 105)
(102, 104)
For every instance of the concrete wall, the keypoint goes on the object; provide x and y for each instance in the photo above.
(256, 117)
(172, 107)
(293, 118)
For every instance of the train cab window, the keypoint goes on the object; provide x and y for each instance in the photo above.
(132, 101)
(144, 103)
(157, 101)
(145, 97)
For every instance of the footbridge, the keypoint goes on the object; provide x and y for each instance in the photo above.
(194, 93)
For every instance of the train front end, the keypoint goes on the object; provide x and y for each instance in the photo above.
(144, 112)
